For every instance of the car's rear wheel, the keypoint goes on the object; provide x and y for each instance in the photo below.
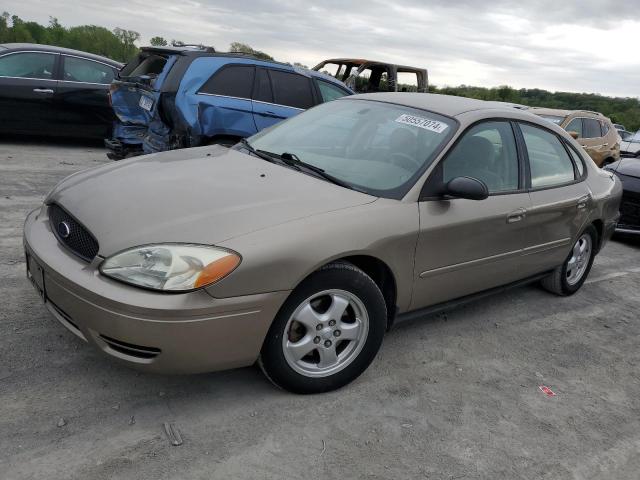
(569, 277)
(327, 332)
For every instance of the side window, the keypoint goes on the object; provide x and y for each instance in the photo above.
(232, 81)
(605, 127)
(487, 152)
(262, 90)
(330, 92)
(81, 70)
(577, 160)
(575, 126)
(28, 65)
(549, 161)
(591, 128)
(291, 89)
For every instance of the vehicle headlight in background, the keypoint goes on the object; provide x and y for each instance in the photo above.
(171, 267)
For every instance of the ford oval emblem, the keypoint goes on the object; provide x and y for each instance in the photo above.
(64, 230)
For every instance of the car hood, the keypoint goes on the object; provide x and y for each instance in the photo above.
(201, 195)
(626, 166)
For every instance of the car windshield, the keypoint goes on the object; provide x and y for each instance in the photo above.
(634, 137)
(553, 118)
(376, 147)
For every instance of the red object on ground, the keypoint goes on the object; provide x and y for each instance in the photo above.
(547, 391)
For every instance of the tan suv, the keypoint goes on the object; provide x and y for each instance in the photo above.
(592, 130)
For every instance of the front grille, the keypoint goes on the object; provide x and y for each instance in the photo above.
(629, 212)
(72, 234)
(130, 349)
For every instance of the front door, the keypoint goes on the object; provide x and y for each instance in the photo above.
(466, 246)
(27, 89)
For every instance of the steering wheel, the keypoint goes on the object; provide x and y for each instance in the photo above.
(405, 161)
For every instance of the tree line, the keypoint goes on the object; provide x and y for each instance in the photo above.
(120, 44)
(625, 111)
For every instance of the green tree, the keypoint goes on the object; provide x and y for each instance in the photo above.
(158, 42)
(128, 39)
(238, 47)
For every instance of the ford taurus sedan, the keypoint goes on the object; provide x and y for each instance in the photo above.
(299, 247)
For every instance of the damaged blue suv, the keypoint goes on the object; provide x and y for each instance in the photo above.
(178, 97)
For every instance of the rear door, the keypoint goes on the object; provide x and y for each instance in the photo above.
(27, 89)
(279, 95)
(82, 98)
(559, 195)
(230, 110)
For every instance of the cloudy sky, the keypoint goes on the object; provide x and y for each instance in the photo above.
(579, 46)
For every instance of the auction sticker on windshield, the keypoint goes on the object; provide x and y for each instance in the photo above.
(421, 122)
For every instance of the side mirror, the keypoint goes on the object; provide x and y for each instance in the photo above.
(467, 187)
(574, 134)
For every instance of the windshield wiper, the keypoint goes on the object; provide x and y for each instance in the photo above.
(258, 153)
(292, 160)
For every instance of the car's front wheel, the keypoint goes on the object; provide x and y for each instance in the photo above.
(569, 277)
(327, 332)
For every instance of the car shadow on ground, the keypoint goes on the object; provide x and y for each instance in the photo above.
(54, 141)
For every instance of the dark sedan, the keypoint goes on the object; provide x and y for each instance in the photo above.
(46, 90)
(628, 170)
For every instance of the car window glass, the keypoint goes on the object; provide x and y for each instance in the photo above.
(262, 90)
(27, 65)
(378, 147)
(605, 128)
(591, 128)
(549, 162)
(233, 81)
(291, 89)
(81, 70)
(330, 92)
(486, 152)
(575, 125)
(577, 160)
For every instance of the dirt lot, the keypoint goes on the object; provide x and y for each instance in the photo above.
(453, 396)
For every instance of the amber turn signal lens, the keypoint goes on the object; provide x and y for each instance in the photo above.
(217, 270)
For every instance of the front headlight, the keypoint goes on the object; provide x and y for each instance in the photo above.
(171, 267)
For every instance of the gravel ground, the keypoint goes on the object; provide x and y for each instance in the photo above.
(454, 396)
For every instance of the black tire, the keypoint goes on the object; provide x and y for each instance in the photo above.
(341, 276)
(557, 281)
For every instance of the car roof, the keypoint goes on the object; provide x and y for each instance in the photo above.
(564, 113)
(449, 105)
(361, 61)
(209, 52)
(52, 48)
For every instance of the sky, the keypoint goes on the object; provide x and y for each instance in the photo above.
(558, 45)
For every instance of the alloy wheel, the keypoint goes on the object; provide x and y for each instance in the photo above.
(325, 333)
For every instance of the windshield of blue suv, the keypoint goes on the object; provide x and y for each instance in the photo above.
(376, 147)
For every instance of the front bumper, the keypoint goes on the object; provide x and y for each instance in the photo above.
(165, 333)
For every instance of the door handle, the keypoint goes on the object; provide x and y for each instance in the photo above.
(48, 91)
(583, 201)
(516, 215)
